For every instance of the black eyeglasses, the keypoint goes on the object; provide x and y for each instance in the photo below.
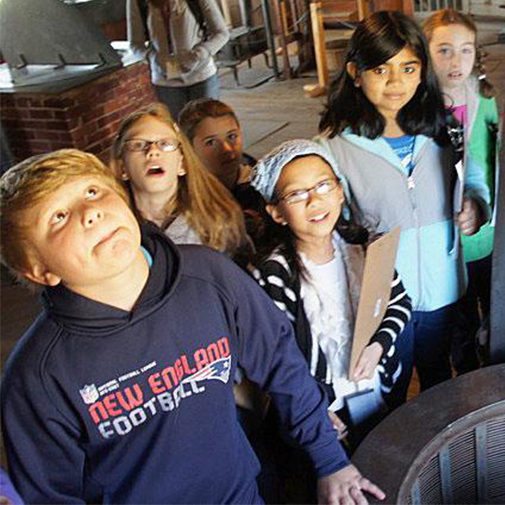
(165, 145)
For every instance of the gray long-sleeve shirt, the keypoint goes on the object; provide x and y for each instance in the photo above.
(188, 59)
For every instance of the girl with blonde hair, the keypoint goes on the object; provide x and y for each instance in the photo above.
(170, 187)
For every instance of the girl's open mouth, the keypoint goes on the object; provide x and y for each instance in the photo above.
(155, 170)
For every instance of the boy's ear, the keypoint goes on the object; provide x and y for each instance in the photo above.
(39, 274)
(276, 214)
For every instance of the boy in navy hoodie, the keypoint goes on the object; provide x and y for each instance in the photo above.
(122, 390)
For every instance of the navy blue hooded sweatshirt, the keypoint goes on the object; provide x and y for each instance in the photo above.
(103, 405)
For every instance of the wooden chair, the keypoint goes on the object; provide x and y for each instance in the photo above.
(343, 10)
(333, 23)
(292, 30)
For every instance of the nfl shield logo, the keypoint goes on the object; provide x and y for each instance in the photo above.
(89, 394)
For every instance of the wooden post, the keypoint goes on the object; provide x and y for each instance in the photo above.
(287, 74)
(408, 7)
(316, 16)
(361, 9)
(226, 13)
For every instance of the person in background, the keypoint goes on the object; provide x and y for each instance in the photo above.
(457, 61)
(169, 185)
(216, 135)
(181, 37)
(386, 128)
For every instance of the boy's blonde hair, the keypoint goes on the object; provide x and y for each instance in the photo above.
(206, 204)
(447, 17)
(30, 182)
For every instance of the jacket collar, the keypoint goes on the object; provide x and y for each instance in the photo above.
(381, 148)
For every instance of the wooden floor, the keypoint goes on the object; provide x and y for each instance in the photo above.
(275, 104)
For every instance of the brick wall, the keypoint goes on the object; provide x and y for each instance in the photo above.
(86, 117)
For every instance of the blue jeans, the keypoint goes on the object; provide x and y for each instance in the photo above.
(405, 349)
(432, 344)
(424, 343)
(175, 98)
(473, 309)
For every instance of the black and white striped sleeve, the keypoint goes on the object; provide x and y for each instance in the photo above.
(398, 313)
(274, 278)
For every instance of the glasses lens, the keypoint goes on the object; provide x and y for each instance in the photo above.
(325, 187)
(167, 145)
(136, 145)
(296, 197)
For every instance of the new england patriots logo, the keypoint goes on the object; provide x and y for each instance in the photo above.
(219, 369)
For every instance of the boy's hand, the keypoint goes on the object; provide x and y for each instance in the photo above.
(346, 487)
(338, 424)
(367, 362)
(470, 218)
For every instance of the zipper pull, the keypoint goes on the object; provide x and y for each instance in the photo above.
(410, 183)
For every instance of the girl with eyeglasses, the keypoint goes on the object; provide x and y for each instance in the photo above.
(312, 268)
(170, 187)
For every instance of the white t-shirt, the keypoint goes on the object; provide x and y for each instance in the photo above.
(328, 307)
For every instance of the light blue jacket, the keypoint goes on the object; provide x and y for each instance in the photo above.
(384, 196)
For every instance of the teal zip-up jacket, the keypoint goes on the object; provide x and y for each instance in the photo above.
(383, 196)
(481, 145)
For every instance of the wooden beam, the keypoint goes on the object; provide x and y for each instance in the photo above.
(408, 7)
(316, 17)
(226, 12)
(361, 9)
(286, 71)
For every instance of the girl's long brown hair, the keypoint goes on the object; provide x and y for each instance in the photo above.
(447, 17)
(206, 204)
